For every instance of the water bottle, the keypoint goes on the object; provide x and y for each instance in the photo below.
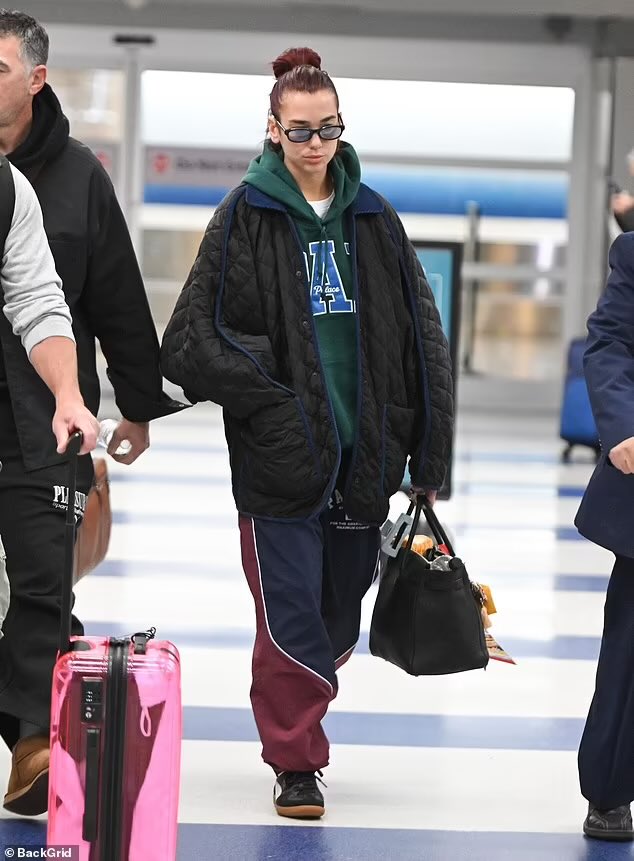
(106, 430)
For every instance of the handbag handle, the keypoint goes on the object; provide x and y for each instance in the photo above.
(423, 507)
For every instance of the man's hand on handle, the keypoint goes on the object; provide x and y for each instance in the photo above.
(70, 416)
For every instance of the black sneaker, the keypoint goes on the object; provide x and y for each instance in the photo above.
(297, 795)
(609, 824)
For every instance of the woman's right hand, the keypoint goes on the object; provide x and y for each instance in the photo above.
(622, 456)
(622, 203)
(430, 495)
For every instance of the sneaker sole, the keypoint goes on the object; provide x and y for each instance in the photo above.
(30, 801)
(610, 836)
(308, 811)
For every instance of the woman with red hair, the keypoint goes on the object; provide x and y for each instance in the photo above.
(308, 318)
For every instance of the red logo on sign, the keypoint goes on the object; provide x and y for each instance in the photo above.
(105, 159)
(161, 162)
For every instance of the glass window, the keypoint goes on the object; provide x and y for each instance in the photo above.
(93, 101)
(421, 119)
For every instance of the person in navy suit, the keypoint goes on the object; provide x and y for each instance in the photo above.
(606, 517)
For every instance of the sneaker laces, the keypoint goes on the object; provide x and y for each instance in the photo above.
(304, 778)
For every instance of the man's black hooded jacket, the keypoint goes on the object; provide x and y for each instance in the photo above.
(102, 283)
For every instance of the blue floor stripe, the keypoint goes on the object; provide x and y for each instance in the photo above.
(320, 842)
(401, 730)
(580, 583)
(501, 490)
(522, 457)
(569, 492)
(557, 648)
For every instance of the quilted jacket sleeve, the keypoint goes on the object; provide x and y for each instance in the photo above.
(432, 452)
(209, 361)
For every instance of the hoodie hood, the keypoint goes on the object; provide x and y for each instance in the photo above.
(48, 135)
(269, 174)
(327, 246)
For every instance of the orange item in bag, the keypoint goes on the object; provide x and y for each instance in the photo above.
(421, 544)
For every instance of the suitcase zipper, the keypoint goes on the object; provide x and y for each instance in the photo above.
(111, 831)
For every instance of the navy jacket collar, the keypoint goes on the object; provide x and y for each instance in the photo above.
(367, 201)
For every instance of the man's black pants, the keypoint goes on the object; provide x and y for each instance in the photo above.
(32, 516)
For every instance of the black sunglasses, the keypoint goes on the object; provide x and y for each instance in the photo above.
(326, 133)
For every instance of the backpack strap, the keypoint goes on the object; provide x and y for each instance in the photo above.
(7, 202)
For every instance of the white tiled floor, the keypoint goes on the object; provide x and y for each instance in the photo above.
(463, 767)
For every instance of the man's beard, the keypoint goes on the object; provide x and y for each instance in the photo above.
(9, 116)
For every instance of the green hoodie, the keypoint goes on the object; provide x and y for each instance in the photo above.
(329, 267)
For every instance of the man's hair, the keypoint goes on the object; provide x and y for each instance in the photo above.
(31, 34)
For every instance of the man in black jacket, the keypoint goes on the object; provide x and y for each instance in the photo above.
(104, 290)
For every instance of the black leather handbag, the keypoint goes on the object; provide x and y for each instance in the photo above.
(427, 618)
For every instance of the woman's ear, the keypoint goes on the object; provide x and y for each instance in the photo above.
(274, 130)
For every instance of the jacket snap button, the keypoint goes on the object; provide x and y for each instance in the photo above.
(299, 273)
(315, 377)
(305, 324)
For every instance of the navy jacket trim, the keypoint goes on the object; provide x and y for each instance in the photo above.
(367, 202)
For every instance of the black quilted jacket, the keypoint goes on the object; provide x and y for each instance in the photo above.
(242, 335)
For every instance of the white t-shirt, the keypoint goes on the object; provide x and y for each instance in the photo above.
(321, 207)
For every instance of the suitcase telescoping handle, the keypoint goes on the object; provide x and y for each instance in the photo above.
(72, 450)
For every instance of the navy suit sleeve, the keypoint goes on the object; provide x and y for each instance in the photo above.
(609, 357)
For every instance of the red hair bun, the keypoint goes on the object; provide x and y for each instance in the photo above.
(295, 57)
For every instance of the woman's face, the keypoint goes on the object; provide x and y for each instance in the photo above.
(306, 111)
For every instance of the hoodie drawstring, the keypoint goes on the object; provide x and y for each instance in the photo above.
(323, 251)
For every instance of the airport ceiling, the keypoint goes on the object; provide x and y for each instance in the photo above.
(525, 8)
(585, 8)
(521, 20)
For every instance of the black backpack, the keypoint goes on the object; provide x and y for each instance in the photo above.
(7, 202)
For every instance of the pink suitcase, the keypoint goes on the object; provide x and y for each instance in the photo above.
(116, 722)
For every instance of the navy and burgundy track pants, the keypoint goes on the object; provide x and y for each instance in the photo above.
(308, 579)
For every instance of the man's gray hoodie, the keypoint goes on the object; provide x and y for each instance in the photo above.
(34, 300)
